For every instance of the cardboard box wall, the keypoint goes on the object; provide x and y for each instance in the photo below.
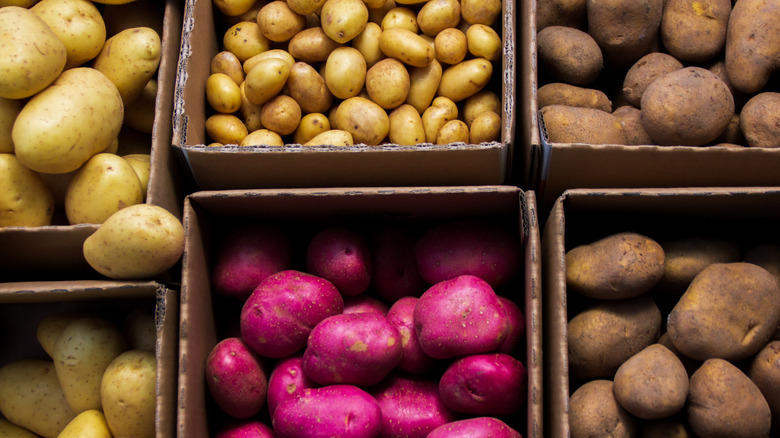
(24, 304)
(209, 214)
(579, 216)
(55, 252)
(293, 166)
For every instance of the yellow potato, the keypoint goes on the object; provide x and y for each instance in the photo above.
(226, 128)
(423, 84)
(465, 79)
(345, 72)
(249, 113)
(245, 40)
(401, 16)
(9, 109)
(31, 54)
(454, 131)
(10, 430)
(485, 100)
(282, 54)
(305, 7)
(311, 45)
(140, 330)
(128, 391)
(331, 137)
(484, 42)
(437, 15)
(130, 59)
(485, 127)
(25, 201)
(233, 8)
(262, 137)
(227, 63)
(406, 127)
(139, 241)
(82, 353)
(308, 88)
(441, 111)
(142, 164)
(88, 424)
(366, 121)
(102, 186)
(222, 93)
(281, 114)
(278, 22)
(387, 83)
(376, 15)
(406, 46)
(51, 326)
(31, 397)
(310, 126)
(78, 24)
(266, 80)
(450, 46)
(480, 11)
(367, 42)
(343, 20)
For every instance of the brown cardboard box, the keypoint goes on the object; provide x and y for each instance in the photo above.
(55, 252)
(579, 216)
(292, 166)
(207, 214)
(23, 305)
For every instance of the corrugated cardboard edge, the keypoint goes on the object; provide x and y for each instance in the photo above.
(528, 146)
(534, 318)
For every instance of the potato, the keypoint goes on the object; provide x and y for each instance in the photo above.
(401, 315)
(764, 371)
(336, 410)
(278, 316)
(278, 23)
(266, 80)
(633, 131)
(441, 111)
(281, 114)
(8, 429)
(406, 46)
(227, 63)
(400, 16)
(620, 265)
(331, 137)
(139, 241)
(102, 186)
(516, 320)
(447, 328)
(245, 40)
(31, 54)
(423, 84)
(311, 45)
(364, 303)
(453, 131)
(752, 48)
(406, 127)
(694, 32)
(251, 428)
(142, 165)
(31, 397)
(686, 257)
(644, 71)
(723, 401)
(625, 31)
(485, 128)
(594, 409)
(128, 392)
(569, 13)
(310, 126)
(450, 46)
(341, 256)
(560, 93)
(343, 20)
(25, 200)
(483, 42)
(9, 109)
(489, 384)
(130, 59)
(569, 55)
(387, 83)
(305, 7)
(262, 137)
(222, 93)
(233, 8)
(226, 128)
(367, 43)
(309, 89)
(485, 100)
(570, 124)
(476, 427)
(437, 15)
(248, 115)
(690, 106)
(625, 327)
(88, 424)
(235, 378)
(652, 384)
(732, 135)
(50, 327)
(286, 380)
(345, 72)
(411, 406)
(83, 115)
(366, 121)
(729, 311)
(78, 24)
(465, 79)
(759, 120)
(665, 428)
(352, 348)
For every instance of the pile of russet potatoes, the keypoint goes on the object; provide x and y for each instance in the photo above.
(678, 72)
(99, 379)
(343, 72)
(674, 337)
(392, 330)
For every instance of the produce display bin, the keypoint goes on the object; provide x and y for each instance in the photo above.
(24, 304)
(744, 215)
(207, 317)
(55, 252)
(295, 166)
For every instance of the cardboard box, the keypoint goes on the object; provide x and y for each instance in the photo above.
(293, 166)
(23, 305)
(746, 214)
(210, 213)
(55, 252)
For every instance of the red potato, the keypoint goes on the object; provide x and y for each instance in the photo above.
(343, 411)
(341, 256)
(246, 256)
(364, 303)
(460, 317)
(355, 348)
(468, 247)
(401, 315)
(394, 264)
(479, 427)
(236, 379)
(485, 384)
(279, 315)
(246, 429)
(287, 380)
(411, 406)
(516, 319)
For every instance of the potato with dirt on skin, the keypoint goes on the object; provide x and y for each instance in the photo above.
(571, 124)
(752, 46)
(631, 119)
(569, 13)
(759, 120)
(724, 402)
(625, 30)
(695, 31)
(560, 93)
(689, 107)
(593, 409)
(569, 55)
(686, 257)
(665, 428)
(764, 371)
(644, 71)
